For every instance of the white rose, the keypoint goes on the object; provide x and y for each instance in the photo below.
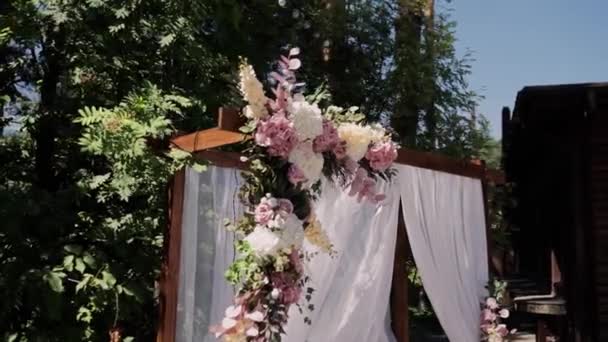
(309, 162)
(263, 241)
(357, 138)
(307, 119)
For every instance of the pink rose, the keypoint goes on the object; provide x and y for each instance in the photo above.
(491, 303)
(277, 134)
(381, 155)
(328, 140)
(264, 212)
(488, 316)
(295, 175)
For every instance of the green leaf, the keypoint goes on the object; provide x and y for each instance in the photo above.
(166, 40)
(128, 339)
(68, 262)
(80, 267)
(74, 249)
(84, 282)
(89, 260)
(108, 278)
(54, 280)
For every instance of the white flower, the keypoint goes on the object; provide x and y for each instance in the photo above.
(309, 162)
(253, 331)
(228, 323)
(233, 311)
(504, 313)
(253, 92)
(255, 316)
(307, 119)
(275, 293)
(357, 138)
(292, 233)
(263, 241)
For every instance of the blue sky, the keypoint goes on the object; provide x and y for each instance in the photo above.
(530, 42)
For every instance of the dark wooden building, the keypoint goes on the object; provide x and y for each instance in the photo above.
(556, 156)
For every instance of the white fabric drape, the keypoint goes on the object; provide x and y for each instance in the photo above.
(206, 250)
(446, 228)
(445, 221)
(352, 289)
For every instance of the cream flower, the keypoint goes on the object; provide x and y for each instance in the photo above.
(307, 161)
(378, 133)
(357, 138)
(253, 92)
(315, 234)
(263, 241)
(307, 119)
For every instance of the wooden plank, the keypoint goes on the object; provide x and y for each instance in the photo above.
(207, 139)
(437, 162)
(169, 280)
(399, 288)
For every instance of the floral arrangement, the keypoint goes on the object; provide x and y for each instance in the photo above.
(294, 143)
(492, 328)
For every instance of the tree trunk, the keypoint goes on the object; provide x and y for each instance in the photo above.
(45, 131)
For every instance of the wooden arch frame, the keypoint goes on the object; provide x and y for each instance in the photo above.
(205, 143)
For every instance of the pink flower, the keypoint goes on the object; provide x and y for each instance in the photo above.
(491, 303)
(264, 212)
(328, 140)
(502, 330)
(381, 155)
(488, 316)
(288, 286)
(487, 328)
(277, 134)
(364, 187)
(295, 175)
(340, 150)
(269, 207)
(285, 208)
(291, 295)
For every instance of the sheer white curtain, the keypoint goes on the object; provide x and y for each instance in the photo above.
(207, 249)
(352, 289)
(445, 221)
(446, 228)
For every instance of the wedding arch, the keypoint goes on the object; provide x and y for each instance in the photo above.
(438, 207)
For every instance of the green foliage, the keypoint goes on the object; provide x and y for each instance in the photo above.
(497, 289)
(81, 261)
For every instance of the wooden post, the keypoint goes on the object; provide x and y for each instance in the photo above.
(399, 291)
(489, 243)
(169, 281)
